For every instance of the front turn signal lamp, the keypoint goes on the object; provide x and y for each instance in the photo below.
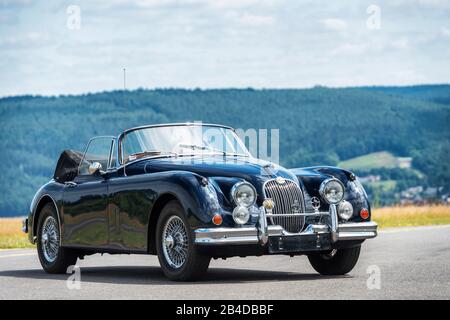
(364, 213)
(217, 219)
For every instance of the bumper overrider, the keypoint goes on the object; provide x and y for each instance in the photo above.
(262, 233)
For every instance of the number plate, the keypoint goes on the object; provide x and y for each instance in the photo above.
(299, 243)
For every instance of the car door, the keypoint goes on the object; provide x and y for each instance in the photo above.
(85, 199)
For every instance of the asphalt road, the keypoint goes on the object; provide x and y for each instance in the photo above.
(414, 263)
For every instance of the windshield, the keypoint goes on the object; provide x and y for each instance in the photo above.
(181, 140)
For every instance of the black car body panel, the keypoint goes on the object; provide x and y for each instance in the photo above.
(117, 211)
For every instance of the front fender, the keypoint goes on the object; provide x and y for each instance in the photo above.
(49, 192)
(312, 177)
(196, 194)
(135, 196)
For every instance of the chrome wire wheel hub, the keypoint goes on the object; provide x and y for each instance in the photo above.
(175, 242)
(50, 239)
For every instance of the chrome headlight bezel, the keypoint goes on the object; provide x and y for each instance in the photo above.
(323, 190)
(235, 190)
(241, 215)
(345, 210)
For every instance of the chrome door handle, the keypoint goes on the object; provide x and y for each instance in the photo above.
(70, 184)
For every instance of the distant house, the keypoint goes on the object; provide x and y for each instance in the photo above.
(369, 179)
(412, 193)
(446, 199)
(432, 192)
(404, 162)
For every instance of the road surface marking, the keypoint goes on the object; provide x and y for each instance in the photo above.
(17, 255)
(413, 228)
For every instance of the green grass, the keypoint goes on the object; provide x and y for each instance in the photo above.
(381, 159)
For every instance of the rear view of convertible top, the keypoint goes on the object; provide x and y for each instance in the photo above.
(67, 166)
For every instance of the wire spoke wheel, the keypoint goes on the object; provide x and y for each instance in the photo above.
(50, 239)
(175, 242)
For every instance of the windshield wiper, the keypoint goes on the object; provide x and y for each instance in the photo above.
(152, 154)
(197, 147)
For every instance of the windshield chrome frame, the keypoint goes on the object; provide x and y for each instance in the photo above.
(187, 124)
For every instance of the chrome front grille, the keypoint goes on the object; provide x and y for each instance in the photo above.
(288, 199)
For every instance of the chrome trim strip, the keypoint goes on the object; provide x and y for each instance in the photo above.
(232, 240)
(356, 235)
(297, 214)
(334, 223)
(263, 233)
(178, 124)
(253, 235)
(311, 229)
(368, 226)
(111, 152)
(245, 235)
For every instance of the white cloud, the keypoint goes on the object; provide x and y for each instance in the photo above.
(435, 3)
(235, 4)
(401, 43)
(334, 24)
(350, 49)
(217, 4)
(445, 32)
(220, 43)
(256, 20)
(14, 3)
(422, 3)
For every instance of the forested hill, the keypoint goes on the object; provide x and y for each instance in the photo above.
(317, 126)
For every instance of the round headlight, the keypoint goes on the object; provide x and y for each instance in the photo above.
(241, 215)
(332, 190)
(345, 210)
(244, 194)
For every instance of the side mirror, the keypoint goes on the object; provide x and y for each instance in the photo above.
(94, 168)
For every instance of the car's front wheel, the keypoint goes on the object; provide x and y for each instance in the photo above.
(53, 257)
(335, 262)
(177, 254)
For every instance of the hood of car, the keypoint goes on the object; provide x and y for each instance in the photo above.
(211, 166)
(225, 170)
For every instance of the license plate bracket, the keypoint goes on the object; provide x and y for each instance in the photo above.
(299, 243)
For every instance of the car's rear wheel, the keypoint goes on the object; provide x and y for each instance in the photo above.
(53, 257)
(177, 254)
(335, 262)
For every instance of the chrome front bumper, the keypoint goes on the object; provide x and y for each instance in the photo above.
(261, 232)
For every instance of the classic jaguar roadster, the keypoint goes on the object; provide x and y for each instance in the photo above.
(192, 192)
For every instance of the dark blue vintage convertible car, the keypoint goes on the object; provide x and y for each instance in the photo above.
(192, 192)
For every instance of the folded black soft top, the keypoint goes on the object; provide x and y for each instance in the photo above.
(67, 166)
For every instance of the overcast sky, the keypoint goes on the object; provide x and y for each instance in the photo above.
(46, 49)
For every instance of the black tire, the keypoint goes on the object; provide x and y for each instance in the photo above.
(335, 262)
(195, 265)
(64, 257)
